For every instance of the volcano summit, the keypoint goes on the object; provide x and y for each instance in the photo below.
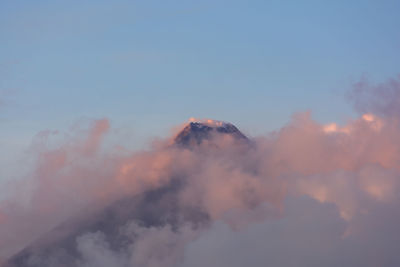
(197, 131)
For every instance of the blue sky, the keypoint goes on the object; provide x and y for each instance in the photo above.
(150, 65)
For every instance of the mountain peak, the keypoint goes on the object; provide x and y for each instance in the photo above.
(196, 131)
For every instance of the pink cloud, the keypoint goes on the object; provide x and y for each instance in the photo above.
(306, 195)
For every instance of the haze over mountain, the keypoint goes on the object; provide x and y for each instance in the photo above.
(151, 209)
(308, 194)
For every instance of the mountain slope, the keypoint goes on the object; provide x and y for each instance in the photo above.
(155, 207)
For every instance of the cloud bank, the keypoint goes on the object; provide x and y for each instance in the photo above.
(306, 195)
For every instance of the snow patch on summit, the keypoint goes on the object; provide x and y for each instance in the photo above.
(209, 122)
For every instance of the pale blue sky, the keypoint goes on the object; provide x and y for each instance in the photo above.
(149, 65)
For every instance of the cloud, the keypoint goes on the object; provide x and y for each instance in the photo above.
(310, 234)
(306, 195)
(382, 99)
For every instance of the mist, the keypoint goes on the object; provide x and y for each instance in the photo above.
(308, 194)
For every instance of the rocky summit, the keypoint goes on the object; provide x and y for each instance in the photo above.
(195, 132)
